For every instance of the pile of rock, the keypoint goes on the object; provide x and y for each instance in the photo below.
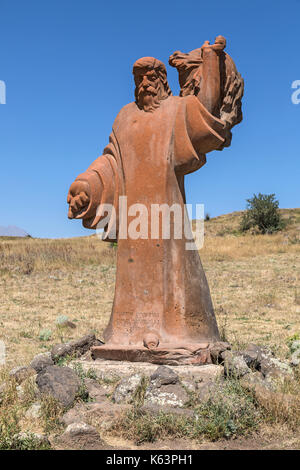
(115, 386)
(255, 359)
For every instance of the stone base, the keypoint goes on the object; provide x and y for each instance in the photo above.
(194, 354)
(111, 372)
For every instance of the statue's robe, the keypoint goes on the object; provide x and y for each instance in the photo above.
(160, 287)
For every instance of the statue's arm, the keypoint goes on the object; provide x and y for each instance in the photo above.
(210, 90)
(209, 74)
(222, 86)
(91, 189)
(197, 132)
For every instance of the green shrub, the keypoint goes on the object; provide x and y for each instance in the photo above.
(262, 213)
(45, 334)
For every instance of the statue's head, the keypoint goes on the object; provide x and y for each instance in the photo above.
(151, 85)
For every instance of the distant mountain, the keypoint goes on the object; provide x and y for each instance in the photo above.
(12, 231)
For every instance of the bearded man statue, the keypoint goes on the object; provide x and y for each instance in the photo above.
(162, 310)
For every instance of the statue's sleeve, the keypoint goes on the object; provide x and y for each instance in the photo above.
(197, 132)
(103, 178)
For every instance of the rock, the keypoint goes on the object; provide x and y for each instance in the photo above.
(295, 346)
(61, 350)
(165, 389)
(28, 384)
(250, 381)
(20, 392)
(155, 410)
(189, 385)
(113, 371)
(263, 360)
(63, 322)
(254, 354)
(60, 382)
(21, 373)
(234, 364)
(124, 391)
(105, 413)
(41, 361)
(273, 369)
(170, 395)
(216, 351)
(164, 376)
(81, 436)
(70, 324)
(74, 415)
(207, 390)
(23, 440)
(270, 367)
(77, 347)
(96, 391)
(295, 358)
(267, 396)
(34, 411)
(87, 356)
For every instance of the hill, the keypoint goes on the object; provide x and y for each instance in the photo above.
(228, 224)
(12, 231)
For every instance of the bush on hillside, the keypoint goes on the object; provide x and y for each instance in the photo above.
(262, 213)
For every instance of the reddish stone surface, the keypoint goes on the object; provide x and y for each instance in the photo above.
(197, 354)
(162, 302)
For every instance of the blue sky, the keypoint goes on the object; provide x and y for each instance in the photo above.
(67, 68)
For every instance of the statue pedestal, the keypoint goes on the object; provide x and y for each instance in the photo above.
(167, 354)
(112, 372)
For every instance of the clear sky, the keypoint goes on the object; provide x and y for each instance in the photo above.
(67, 65)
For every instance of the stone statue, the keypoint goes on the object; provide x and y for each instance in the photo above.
(162, 310)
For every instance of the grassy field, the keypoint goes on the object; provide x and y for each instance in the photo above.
(254, 282)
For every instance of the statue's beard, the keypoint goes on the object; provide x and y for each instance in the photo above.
(148, 98)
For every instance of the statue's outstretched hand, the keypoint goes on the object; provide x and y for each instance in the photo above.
(78, 198)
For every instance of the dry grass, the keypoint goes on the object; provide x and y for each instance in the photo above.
(73, 277)
(30, 255)
(254, 281)
(13, 419)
